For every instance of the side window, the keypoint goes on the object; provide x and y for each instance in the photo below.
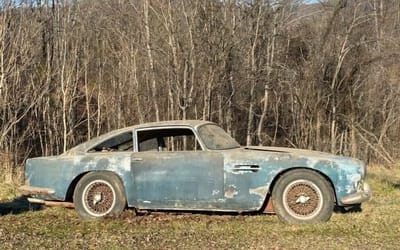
(171, 139)
(149, 145)
(181, 143)
(119, 143)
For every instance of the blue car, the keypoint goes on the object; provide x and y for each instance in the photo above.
(194, 166)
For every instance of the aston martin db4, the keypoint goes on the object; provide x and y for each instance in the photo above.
(195, 166)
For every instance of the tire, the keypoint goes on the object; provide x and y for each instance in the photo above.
(303, 196)
(99, 194)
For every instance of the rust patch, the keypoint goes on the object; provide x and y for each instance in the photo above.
(27, 190)
(231, 191)
(59, 204)
(269, 209)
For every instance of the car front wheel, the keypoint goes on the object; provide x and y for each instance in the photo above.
(99, 194)
(303, 196)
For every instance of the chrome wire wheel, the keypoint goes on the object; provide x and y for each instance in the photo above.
(99, 193)
(302, 199)
(303, 196)
(98, 198)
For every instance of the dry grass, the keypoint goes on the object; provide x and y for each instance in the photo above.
(377, 227)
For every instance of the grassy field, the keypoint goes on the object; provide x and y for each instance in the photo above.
(376, 227)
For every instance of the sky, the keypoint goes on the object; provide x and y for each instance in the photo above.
(311, 1)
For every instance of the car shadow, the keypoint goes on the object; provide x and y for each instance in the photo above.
(396, 185)
(351, 209)
(17, 206)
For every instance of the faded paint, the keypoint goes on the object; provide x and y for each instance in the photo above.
(235, 179)
(231, 191)
(215, 192)
(261, 191)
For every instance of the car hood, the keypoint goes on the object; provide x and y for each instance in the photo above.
(294, 152)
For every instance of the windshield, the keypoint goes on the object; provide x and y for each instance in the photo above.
(216, 138)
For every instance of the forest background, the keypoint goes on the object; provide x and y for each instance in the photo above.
(322, 76)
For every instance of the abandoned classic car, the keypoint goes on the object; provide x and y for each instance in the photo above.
(194, 166)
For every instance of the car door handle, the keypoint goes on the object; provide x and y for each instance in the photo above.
(137, 159)
(246, 168)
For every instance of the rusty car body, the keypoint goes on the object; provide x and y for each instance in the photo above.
(194, 166)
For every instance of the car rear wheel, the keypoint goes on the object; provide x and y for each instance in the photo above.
(303, 196)
(99, 194)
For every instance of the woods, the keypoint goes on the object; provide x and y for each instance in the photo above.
(319, 76)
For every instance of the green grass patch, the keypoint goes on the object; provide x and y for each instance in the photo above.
(376, 227)
(8, 192)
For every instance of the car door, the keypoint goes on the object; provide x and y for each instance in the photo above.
(248, 175)
(175, 179)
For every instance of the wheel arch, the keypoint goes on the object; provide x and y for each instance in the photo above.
(268, 201)
(71, 188)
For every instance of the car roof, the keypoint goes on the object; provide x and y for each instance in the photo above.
(191, 123)
(83, 147)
